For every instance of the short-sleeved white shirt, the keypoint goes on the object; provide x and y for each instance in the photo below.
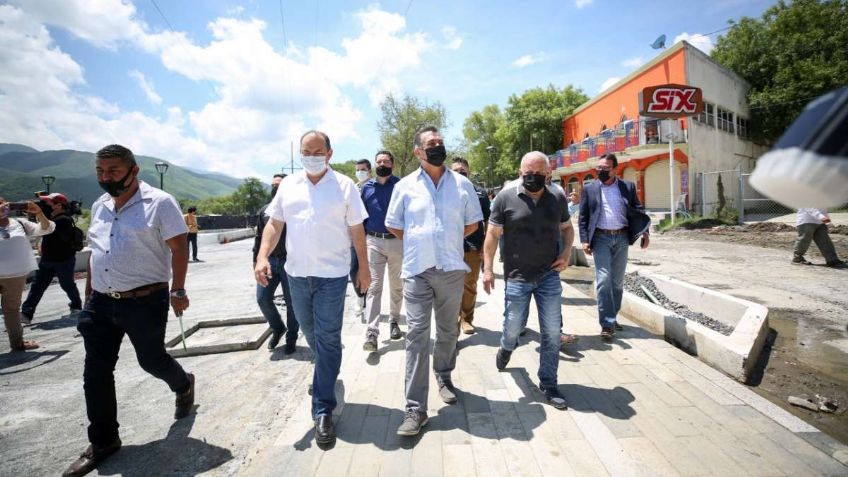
(128, 248)
(317, 218)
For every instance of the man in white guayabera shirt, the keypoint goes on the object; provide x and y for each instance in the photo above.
(16, 261)
(138, 241)
(323, 215)
(432, 209)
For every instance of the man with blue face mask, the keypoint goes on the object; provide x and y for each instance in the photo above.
(323, 215)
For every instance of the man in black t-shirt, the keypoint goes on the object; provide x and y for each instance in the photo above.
(533, 218)
(58, 258)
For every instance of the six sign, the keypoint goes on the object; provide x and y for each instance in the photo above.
(671, 101)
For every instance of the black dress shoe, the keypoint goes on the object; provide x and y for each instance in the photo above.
(290, 348)
(325, 431)
(185, 400)
(89, 459)
(502, 359)
(275, 340)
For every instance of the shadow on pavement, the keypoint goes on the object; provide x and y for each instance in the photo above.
(176, 454)
(18, 358)
(65, 321)
(373, 358)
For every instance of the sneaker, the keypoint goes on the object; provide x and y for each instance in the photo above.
(467, 327)
(554, 397)
(446, 392)
(394, 331)
(370, 344)
(185, 400)
(800, 261)
(412, 423)
(275, 340)
(835, 264)
(26, 345)
(607, 332)
(502, 359)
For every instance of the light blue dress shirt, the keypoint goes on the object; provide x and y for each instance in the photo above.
(433, 219)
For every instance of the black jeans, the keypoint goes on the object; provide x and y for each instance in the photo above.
(64, 271)
(192, 241)
(102, 324)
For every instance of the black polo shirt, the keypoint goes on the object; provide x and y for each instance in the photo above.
(531, 230)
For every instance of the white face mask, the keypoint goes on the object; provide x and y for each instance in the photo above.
(314, 165)
(361, 175)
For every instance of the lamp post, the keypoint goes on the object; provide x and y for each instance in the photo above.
(491, 151)
(48, 180)
(162, 168)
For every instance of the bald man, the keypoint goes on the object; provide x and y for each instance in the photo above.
(533, 218)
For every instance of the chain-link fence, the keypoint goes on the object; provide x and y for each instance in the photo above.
(728, 195)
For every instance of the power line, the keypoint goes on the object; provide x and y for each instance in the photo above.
(713, 32)
(162, 15)
(283, 23)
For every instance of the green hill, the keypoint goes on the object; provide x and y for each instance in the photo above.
(21, 168)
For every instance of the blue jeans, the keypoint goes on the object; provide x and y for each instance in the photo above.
(610, 252)
(64, 271)
(265, 300)
(319, 307)
(547, 291)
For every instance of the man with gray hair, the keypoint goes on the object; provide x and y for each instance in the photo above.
(432, 210)
(527, 211)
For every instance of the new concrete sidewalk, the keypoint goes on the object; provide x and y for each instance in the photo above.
(638, 406)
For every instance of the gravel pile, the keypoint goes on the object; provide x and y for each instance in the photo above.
(770, 227)
(632, 282)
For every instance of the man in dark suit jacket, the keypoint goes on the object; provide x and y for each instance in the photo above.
(611, 219)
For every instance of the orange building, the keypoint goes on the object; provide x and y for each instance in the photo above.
(714, 140)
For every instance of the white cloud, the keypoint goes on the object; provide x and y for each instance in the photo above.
(609, 82)
(582, 3)
(235, 11)
(634, 62)
(528, 60)
(452, 40)
(146, 86)
(701, 42)
(264, 98)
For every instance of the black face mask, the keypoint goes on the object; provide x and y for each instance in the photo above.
(116, 188)
(436, 155)
(383, 171)
(533, 182)
(462, 173)
(274, 191)
(603, 176)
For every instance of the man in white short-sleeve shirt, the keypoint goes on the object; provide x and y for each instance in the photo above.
(138, 240)
(324, 215)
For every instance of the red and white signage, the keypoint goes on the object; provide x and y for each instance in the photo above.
(671, 101)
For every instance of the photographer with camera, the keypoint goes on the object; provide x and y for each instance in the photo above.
(58, 257)
(16, 261)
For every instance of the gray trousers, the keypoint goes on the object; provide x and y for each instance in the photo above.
(440, 292)
(382, 252)
(817, 233)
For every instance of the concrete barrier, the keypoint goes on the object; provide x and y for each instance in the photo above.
(226, 236)
(735, 354)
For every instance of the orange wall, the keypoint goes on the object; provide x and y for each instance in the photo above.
(624, 100)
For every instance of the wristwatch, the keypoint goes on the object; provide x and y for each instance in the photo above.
(179, 293)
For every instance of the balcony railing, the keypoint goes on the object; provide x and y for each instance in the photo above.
(627, 134)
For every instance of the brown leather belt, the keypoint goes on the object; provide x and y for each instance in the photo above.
(380, 235)
(611, 232)
(139, 292)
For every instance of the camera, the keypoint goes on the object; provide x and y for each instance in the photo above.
(17, 206)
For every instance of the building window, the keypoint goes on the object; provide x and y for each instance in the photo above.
(724, 120)
(707, 116)
(742, 127)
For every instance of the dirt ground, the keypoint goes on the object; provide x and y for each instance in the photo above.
(807, 353)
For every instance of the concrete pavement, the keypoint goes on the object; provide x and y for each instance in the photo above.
(638, 406)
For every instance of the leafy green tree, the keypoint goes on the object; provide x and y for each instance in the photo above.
(347, 168)
(400, 119)
(480, 131)
(796, 51)
(250, 196)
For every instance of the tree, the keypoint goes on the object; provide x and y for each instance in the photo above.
(250, 196)
(347, 168)
(795, 52)
(480, 131)
(399, 122)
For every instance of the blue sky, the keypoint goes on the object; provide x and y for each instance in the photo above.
(226, 87)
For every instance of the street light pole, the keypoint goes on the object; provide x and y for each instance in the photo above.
(48, 180)
(491, 151)
(162, 168)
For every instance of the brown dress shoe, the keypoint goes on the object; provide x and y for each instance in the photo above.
(467, 327)
(89, 459)
(185, 400)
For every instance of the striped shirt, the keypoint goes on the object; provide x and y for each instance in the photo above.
(613, 208)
